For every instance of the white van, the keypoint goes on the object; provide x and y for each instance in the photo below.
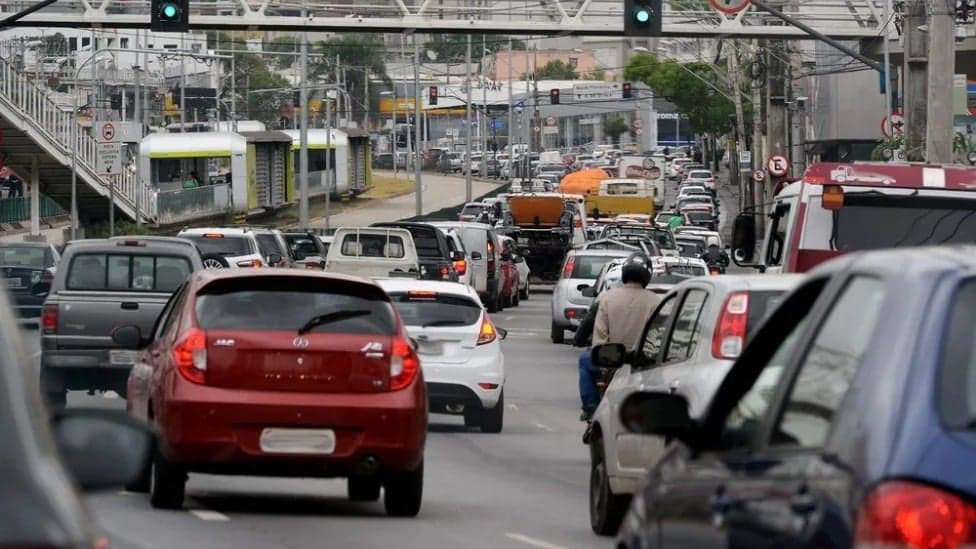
(484, 259)
(373, 252)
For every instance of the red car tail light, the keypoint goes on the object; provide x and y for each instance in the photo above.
(488, 332)
(49, 319)
(461, 266)
(445, 273)
(190, 356)
(47, 276)
(251, 263)
(404, 364)
(569, 266)
(730, 336)
(908, 515)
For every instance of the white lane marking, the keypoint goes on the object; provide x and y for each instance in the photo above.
(533, 541)
(546, 428)
(110, 394)
(208, 515)
(127, 493)
(511, 406)
(507, 318)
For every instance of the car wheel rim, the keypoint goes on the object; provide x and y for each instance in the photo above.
(212, 264)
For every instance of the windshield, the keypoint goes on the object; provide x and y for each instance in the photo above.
(432, 309)
(663, 237)
(221, 245)
(234, 305)
(869, 221)
(589, 266)
(25, 256)
(303, 244)
(699, 174)
(690, 249)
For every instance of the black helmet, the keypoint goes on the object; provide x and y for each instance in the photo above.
(636, 269)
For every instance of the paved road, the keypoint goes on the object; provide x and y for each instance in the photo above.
(526, 487)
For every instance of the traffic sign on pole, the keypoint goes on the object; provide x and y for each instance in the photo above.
(106, 132)
(729, 6)
(778, 165)
(759, 176)
(893, 125)
(108, 158)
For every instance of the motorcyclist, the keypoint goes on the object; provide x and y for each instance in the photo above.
(715, 257)
(676, 220)
(618, 316)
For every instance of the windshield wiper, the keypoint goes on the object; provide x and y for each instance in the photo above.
(330, 318)
(444, 322)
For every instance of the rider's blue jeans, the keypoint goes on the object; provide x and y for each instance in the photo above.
(589, 394)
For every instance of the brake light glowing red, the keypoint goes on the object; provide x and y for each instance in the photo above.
(190, 356)
(404, 364)
(488, 332)
(445, 273)
(730, 336)
(569, 266)
(49, 319)
(909, 515)
(461, 266)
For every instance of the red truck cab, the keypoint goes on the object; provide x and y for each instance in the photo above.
(838, 208)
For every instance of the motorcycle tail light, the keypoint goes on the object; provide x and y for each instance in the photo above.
(730, 336)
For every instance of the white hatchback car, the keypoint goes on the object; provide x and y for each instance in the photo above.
(228, 247)
(459, 347)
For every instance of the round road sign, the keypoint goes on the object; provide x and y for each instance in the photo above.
(895, 127)
(759, 175)
(108, 132)
(729, 6)
(638, 131)
(638, 123)
(550, 121)
(778, 165)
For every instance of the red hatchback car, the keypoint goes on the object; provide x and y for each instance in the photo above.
(281, 373)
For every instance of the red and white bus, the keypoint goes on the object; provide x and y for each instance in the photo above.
(840, 208)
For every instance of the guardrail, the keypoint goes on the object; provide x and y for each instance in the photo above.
(178, 205)
(15, 210)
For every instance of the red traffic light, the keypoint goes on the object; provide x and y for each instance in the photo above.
(432, 95)
(554, 96)
(626, 91)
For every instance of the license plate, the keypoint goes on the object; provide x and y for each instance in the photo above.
(13, 283)
(122, 358)
(297, 441)
(429, 348)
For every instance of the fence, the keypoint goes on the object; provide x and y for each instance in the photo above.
(15, 210)
(178, 205)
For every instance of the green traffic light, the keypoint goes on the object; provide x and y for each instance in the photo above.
(170, 11)
(642, 15)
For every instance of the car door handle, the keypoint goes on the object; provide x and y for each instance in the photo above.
(803, 503)
(130, 306)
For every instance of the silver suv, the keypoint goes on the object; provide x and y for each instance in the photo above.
(223, 248)
(580, 270)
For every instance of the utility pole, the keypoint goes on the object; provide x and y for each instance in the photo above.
(732, 62)
(303, 130)
(942, 59)
(757, 195)
(776, 98)
(797, 113)
(916, 79)
(467, 126)
(484, 110)
(137, 118)
(416, 115)
(366, 99)
(508, 140)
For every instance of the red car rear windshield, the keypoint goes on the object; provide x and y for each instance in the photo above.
(289, 303)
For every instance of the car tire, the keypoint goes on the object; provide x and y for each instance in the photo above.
(556, 333)
(364, 488)
(492, 304)
(524, 294)
(493, 419)
(167, 484)
(606, 508)
(142, 483)
(214, 261)
(472, 416)
(403, 492)
(516, 297)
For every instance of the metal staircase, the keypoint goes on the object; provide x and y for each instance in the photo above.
(31, 123)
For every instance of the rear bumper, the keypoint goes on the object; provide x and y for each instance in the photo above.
(458, 383)
(80, 369)
(215, 430)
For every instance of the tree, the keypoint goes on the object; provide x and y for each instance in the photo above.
(283, 44)
(556, 70)
(453, 48)
(251, 74)
(615, 127)
(358, 55)
(689, 87)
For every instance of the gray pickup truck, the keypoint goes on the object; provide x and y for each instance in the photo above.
(101, 285)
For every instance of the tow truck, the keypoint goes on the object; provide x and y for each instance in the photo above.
(839, 208)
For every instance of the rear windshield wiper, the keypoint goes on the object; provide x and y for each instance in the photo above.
(331, 317)
(444, 322)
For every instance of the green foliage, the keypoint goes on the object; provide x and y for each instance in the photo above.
(359, 55)
(453, 48)
(615, 127)
(687, 87)
(283, 44)
(556, 70)
(251, 73)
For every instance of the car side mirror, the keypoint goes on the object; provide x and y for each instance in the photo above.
(657, 413)
(274, 259)
(102, 448)
(744, 240)
(610, 355)
(128, 337)
(457, 255)
(40, 289)
(476, 255)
